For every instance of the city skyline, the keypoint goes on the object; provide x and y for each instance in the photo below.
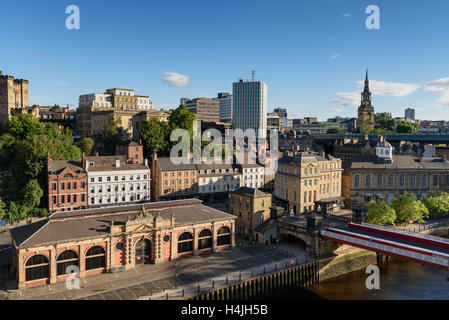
(312, 56)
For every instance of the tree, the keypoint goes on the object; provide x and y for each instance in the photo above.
(112, 134)
(406, 127)
(384, 121)
(408, 208)
(155, 136)
(86, 145)
(364, 129)
(380, 213)
(32, 194)
(24, 125)
(2, 210)
(437, 203)
(336, 131)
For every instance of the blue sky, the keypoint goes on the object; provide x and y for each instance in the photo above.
(311, 54)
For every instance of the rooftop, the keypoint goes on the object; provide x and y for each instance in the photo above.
(89, 223)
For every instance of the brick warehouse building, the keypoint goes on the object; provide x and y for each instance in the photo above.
(67, 185)
(116, 239)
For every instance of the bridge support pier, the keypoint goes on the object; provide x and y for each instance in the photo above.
(315, 246)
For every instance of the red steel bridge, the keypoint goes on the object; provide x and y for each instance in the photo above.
(423, 249)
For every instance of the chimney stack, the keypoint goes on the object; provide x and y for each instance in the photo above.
(117, 163)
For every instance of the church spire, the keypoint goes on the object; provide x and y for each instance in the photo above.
(366, 81)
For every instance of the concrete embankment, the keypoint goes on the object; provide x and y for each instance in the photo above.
(345, 263)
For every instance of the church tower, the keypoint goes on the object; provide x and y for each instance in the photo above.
(365, 115)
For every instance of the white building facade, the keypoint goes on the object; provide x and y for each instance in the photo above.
(250, 106)
(117, 182)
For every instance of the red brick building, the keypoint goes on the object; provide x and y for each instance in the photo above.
(132, 150)
(67, 185)
(116, 239)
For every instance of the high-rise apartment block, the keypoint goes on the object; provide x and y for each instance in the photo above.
(204, 108)
(250, 106)
(225, 101)
(409, 113)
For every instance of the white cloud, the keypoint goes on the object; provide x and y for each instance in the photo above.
(176, 79)
(441, 87)
(391, 89)
(346, 15)
(350, 99)
(336, 109)
(335, 56)
(377, 88)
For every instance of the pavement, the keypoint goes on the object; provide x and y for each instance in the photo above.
(149, 281)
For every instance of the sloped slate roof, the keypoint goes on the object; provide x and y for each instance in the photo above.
(89, 223)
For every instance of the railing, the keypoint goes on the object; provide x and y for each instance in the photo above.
(233, 278)
(414, 232)
(410, 254)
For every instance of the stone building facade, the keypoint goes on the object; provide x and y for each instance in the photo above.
(13, 96)
(171, 181)
(305, 178)
(251, 207)
(116, 239)
(386, 175)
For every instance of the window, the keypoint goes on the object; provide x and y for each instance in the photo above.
(368, 180)
(390, 181)
(205, 239)
(95, 258)
(62, 186)
(413, 181)
(185, 242)
(435, 180)
(53, 186)
(65, 259)
(379, 180)
(224, 236)
(74, 185)
(446, 181)
(37, 267)
(424, 181)
(356, 181)
(401, 180)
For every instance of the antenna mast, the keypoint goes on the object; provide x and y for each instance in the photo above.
(253, 73)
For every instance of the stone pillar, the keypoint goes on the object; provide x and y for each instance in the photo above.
(174, 246)
(53, 277)
(129, 253)
(158, 247)
(214, 237)
(314, 245)
(20, 271)
(82, 265)
(232, 233)
(110, 255)
(195, 242)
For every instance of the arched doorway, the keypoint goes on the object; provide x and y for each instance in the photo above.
(143, 252)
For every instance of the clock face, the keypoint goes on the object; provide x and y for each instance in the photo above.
(387, 151)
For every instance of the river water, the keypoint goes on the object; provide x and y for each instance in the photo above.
(398, 280)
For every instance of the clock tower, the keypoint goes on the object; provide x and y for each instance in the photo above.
(365, 115)
(384, 150)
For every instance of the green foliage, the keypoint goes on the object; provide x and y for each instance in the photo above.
(24, 147)
(155, 136)
(2, 210)
(408, 208)
(380, 213)
(336, 131)
(32, 194)
(112, 134)
(384, 121)
(86, 145)
(406, 127)
(437, 203)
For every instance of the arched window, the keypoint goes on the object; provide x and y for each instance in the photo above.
(68, 175)
(37, 267)
(65, 259)
(224, 236)
(185, 242)
(205, 239)
(95, 258)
